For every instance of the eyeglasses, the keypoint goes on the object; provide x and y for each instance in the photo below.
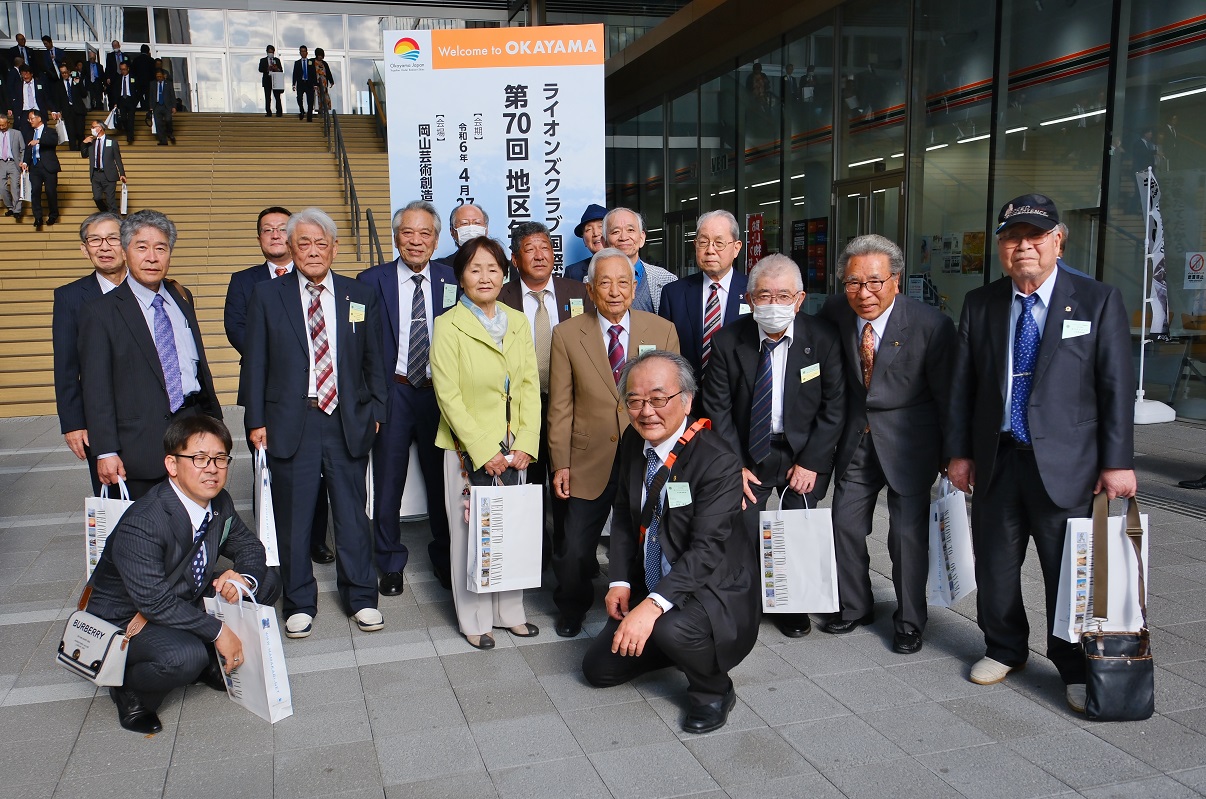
(636, 404)
(268, 231)
(96, 241)
(778, 298)
(203, 461)
(1013, 238)
(873, 286)
(703, 245)
(605, 286)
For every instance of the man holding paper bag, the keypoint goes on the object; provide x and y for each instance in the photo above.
(1042, 419)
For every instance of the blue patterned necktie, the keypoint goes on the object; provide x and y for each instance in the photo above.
(760, 414)
(653, 544)
(420, 345)
(1025, 353)
(198, 565)
(165, 345)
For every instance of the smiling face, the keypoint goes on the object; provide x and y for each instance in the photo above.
(866, 303)
(482, 278)
(199, 485)
(416, 238)
(149, 256)
(656, 377)
(612, 288)
(534, 260)
(102, 247)
(592, 235)
(1028, 254)
(625, 234)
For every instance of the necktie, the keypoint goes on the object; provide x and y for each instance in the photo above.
(1025, 353)
(98, 152)
(31, 101)
(280, 270)
(165, 346)
(760, 415)
(324, 368)
(420, 344)
(653, 543)
(615, 352)
(543, 336)
(198, 565)
(711, 321)
(36, 148)
(67, 87)
(125, 86)
(160, 92)
(305, 71)
(866, 353)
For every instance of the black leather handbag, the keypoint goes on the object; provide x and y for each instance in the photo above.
(1119, 671)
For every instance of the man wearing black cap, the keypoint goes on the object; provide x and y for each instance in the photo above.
(590, 230)
(1042, 419)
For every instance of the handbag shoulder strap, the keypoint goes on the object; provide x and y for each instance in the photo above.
(86, 594)
(1101, 548)
(1134, 534)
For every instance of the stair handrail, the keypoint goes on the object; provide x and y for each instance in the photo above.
(374, 239)
(378, 108)
(331, 129)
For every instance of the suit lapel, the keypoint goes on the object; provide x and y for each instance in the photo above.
(695, 300)
(292, 307)
(798, 354)
(894, 338)
(1063, 296)
(999, 334)
(732, 308)
(596, 352)
(389, 298)
(747, 356)
(131, 312)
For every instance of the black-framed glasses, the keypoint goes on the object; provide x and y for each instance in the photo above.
(777, 297)
(202, 461)
(873, 286)
(637, 404)
(1014, 238)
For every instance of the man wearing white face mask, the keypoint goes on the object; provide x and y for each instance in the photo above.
(465, 222)
(774, 391)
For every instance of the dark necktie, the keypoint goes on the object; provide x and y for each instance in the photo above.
(653, 497)
(198, 565)
(305, 70)
(67, 87)
(866, 353)
(1025, 353)
(160, 92)
(420, 343)
(711, 321)
(98, 152)
(324, 367)
(615, 352)
(165, 347)
(760, 415)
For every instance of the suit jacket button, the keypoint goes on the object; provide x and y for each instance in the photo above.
(613, 438)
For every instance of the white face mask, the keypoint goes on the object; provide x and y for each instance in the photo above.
(774, 318)
(466, 232)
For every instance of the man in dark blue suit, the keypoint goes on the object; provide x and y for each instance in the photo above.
(590, 230)
(314, 394)
(30, 94)
(303, 83)
(52, 58)
(270, 227)
(702, 303)
(100, 242)
(413, 290)
(42, 164)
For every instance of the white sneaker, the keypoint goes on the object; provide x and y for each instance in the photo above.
(299, 625)
(1075, 696)
(990, 672)
(369, 620)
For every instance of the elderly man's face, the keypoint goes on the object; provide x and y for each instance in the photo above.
(534, 260)
(313, 251)
(465, 221)
(875, 268)
(1028, 253)
(612, 288)
(102, 247)
(592, 235)
(416, 238)
(149, 256)
(625, 234)
(716, 248)
(656, 379)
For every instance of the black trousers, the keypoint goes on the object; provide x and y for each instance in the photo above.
(268, 93)
(682, 637)
(39, 177)
(305, 93)
(574, 556)
(1005, 515)
(908, 541)
(163, 122)
(127, 116)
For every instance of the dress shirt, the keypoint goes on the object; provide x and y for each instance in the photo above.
(125, 86)
(327, 298)
(778, 374)
(878, 325)
(406, 297)
(196, 517)
(31, 97)
(105, 285)
(722, 294)
(1040, 317)
(550, 304)
(186, 348)
(626, 324)
(98, 152)
(6, 147)
(36, 144)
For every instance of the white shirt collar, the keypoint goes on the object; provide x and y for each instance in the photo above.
(327, 282)
(879, 324)
(625, 323)
(724, 282)
(105, 285)
(663, 449)
(144, 295)
(787, 335)
(196, 513)
(1043, 291)
(273, 267)
(526, 288)
(405, 273)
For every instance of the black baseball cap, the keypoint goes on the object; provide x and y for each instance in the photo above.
(592, 213)
(1032, 209)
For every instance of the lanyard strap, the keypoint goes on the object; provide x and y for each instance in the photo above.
(653, 493)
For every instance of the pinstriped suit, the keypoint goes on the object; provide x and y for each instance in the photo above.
(153, 537)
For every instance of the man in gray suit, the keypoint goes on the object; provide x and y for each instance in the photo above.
(104, 167)
(12, 153)
(896, 353)
(160, 561)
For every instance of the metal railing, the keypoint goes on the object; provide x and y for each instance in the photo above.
(374, 239)
(330, 129)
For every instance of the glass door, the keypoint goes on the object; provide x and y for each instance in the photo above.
(869, 205)
(209, 87)
(338, 89)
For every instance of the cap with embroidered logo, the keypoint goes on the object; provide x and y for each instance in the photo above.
(1031, 209)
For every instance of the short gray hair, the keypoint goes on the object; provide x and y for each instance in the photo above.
(603, 255)
(99, 216)
(452, 216)
(686, 373)
(872, 244)
(312, 216)
(147, 218)
(417, 205)
(525, 229)
(772, 265)
(734, 228)
(607, 221)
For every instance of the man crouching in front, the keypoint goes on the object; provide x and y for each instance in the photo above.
(160, 561)
(677, 536)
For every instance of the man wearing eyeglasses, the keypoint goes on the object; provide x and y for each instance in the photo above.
(586, 420)
(105, 167)
(161, 560)
(100, 242)
(142, 361)
(1043, 395)
(624, 230)
(774, 392)
(702, 303)
(897, 354)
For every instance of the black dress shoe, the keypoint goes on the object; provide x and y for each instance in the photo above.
(133, 714)
(793, 625)
(567, 627)
(484, 642)
(37, 224)
(213, 677)
(52, 220)
(321, 553)
(712, 716)
(906, 643)
(8, 213)
(840, 626)
(391, 584)
(1196, 484)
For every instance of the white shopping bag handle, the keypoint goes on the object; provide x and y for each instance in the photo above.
(242, 589)
(779, 510)
(125, 492)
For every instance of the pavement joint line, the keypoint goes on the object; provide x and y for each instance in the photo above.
(62, 467)
(8, 453)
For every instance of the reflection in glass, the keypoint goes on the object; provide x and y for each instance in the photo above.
(181, 26)
(360, 70)
(718, 143)
(8, 20)
(178, 73)
(211, 85)
(312, 30)
(761, 104)
(872, 85)
(364, 33)
(247, 93)
(253, 29)
(128, 25)
(63, 22)
(653, 184)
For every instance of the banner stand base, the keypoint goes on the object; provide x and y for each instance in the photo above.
(1153, 412)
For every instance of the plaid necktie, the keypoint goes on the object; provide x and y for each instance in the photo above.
(760, 415)
(1025, 353)
(169, 359)
(324, 367)
(197, 567)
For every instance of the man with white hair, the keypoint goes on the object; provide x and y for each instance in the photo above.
(466, 222)
(624, 230)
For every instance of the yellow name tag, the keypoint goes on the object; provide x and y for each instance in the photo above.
(356, 314)
(576, 308)
(809, 372)
(678, 494)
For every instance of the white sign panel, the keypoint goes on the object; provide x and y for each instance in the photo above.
(1195, 270)
(509, 119)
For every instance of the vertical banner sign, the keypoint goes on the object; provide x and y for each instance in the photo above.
(1149, 188)
(755, 240)
(509, 119)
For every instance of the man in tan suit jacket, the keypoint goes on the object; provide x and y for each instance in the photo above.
(586, 420)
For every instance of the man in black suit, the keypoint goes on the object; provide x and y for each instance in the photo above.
(161, 98)
(124, 94)
(52, 58)
(142, 67)
(270, 64)
(897, 353)
(466, 221)
(105, 167)
(70, 100)
(1042, 419)
(113, 60)
(31, 94)
(315, 398)
(412, 414)
(94, 82)
(22, 51)
(702, 303)
(775, 394)
(161, 560)
(270, 229)
(590, 230)
(304, 81)
(678, 548)
(100, 242)
(142, 363)
(42, 164)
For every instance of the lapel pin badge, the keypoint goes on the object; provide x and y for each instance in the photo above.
(808, 350)
(1068, 308)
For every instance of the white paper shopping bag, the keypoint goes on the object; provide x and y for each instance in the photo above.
(101, 515)
(261, 682)
(61, 129)
(261, 502)
(798, 562)
(507, 530)
(125, 199)
(25, 188)
(111, 121)
(952, 564)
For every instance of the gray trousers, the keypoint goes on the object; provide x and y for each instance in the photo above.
(104, 192)
(10, 176)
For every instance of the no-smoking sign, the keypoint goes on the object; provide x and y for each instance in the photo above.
(1195, 270)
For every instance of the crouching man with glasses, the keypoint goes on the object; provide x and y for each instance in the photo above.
(161, 560)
